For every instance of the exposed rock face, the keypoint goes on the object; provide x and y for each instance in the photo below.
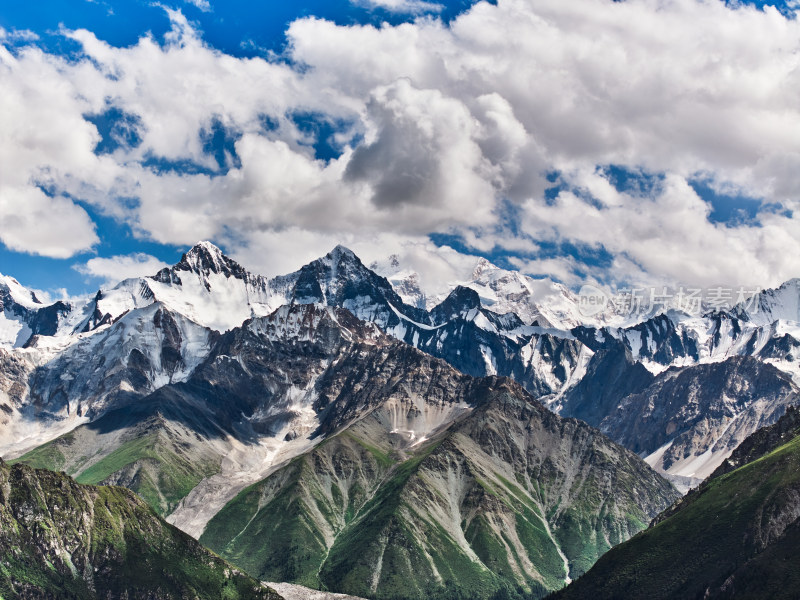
(703, 408)
(266, 392)
(206, 287)
(595, 373)
(154, 331)
(59, 539)
(480, 342)
(506, 496)
(23, 316)
(659, 340)
(689, 420)
(204, 260)
(195, 384)
(149, 332)
(289, 380)
(14, 370)
(762, 442)
(138, 354)
(736, 536)
(611, 375)
(297, 592)
(685, 420)
(475, 340)
(586, 372)
(356, 431)
(757, 445)
(148, 448)
(341, 279)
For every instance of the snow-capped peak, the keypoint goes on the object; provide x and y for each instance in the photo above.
(23, 316)
(323, 279)
(204, 259)
(461, 301)
(308, 322)
(482, 266)
(781, 303)
(406, 282)
(206, 287)
(342, 252)
(13, 289)
(540, 301)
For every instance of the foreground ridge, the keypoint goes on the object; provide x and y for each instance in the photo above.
(736, 535)
(61, 539)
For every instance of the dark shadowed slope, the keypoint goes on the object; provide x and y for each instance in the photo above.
(60, 539)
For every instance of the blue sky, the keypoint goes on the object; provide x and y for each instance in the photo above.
(615, 142)
(236, 27)
(241, 28)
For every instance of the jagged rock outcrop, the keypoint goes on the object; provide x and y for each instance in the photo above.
(266, 392)
(23, 316)
(196, 383)
(141, 352)
(762, 442)
(611, 375)
(696, 416)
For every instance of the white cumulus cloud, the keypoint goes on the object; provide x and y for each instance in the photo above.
(440, 128)
(112, 270)
(203, 5)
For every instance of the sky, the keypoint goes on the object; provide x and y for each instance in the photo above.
(636, 142)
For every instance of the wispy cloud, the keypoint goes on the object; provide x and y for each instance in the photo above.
(402, 6)
(114, 269)
(203, 5)
(17, 35)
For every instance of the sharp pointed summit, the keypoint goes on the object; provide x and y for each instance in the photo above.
(460, 301)
(204, 259)
(23, 316)
(205, 286)
(342, 252)
(206, 255)
(341, 279)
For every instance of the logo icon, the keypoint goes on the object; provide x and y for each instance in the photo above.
(592, 300)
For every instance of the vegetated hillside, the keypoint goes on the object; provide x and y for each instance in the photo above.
(60, 539)
(144, 447)
(736, 536)
(506, 500)
(256, 395)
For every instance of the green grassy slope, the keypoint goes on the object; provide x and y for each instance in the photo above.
(281, 528)
(60, 539)
(152, 458)
(504, 503)
(738, 528)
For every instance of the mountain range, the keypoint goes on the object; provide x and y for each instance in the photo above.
(340, 429)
